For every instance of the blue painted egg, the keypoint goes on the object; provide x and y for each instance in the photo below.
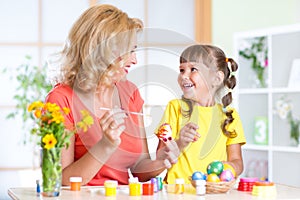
(198, 176)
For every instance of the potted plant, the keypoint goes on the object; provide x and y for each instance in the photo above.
(257, 52)
(32, 86)
(284, 110)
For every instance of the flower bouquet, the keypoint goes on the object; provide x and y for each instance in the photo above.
(54, 136)
(257, 52)
(284, 111)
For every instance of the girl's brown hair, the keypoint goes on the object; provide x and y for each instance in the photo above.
(214, 56)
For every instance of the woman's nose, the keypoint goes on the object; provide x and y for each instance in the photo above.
(133, 58)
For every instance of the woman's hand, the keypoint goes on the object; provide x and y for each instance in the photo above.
(112, 124)
(187, 135)
(168, 153)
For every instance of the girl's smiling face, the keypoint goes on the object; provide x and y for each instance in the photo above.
(195, 81)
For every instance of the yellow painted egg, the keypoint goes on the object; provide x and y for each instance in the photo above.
(229, 167)
(213, 178)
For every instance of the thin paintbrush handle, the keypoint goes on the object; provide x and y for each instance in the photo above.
(133, 113)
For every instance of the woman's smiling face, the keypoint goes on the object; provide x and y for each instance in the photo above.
(127, 61)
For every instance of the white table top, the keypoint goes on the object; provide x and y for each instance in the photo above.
(88, 192)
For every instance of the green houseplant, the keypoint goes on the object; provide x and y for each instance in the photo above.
(257, 52)
(283, 109)
(32, 85)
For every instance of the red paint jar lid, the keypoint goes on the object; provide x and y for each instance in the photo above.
(148, 188)
(246, 186)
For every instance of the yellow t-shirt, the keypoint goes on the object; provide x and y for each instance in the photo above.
(211, 146)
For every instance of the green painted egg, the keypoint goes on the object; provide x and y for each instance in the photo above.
(215, 167)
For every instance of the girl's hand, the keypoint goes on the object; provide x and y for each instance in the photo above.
(168, 153)
(112, 124)
(187, 135)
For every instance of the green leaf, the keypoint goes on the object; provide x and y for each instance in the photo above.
(30, 79)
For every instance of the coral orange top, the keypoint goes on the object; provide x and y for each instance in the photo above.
(131, 142)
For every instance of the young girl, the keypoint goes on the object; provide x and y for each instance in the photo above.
(204, 129)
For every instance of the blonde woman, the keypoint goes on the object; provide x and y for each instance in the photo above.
(95, 60)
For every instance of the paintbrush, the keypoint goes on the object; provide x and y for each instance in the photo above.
(129, 112)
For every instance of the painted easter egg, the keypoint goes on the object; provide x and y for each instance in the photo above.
(229, 167)
(198, 176)
(164, 132)
(226, 175)
(215, 167)
(213, 178)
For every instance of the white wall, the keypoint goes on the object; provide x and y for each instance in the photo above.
(229, 16)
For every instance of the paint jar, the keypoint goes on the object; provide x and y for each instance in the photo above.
(155, 184)
(38, 188)
(134, 187)
(148, 188)
(110, 187)
(75, 183)
(200, 187)
(159, 183)
(133, 180)
(179, 186)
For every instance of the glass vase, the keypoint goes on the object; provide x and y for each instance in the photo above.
(295, 129)
(51, 172)
(260, 80)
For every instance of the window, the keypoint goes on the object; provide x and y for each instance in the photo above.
(39, 27)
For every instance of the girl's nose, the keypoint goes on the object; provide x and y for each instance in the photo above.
(186, 76)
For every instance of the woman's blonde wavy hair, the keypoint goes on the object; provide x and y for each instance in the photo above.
(98, 44)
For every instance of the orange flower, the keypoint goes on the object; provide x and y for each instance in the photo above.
(35, 105)
(38, 113)
(51, 107)
(57, 117)
(51, 128)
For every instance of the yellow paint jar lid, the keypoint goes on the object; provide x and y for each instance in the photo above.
(111, 183)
